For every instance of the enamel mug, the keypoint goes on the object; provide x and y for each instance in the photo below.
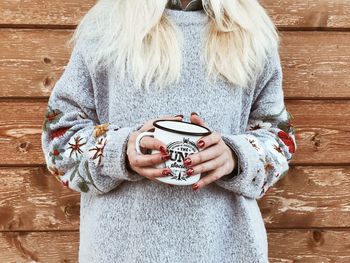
(181, 139)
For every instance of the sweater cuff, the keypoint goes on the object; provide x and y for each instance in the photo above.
(115, 153)
(237, 169)
(250, 177)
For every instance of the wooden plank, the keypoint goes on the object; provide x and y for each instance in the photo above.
(31, 199)
(307, 246)
(315, 64)
(285, 13)
(303, 199)
(309, 14)
(39, 246)
(31, 61)
(321, 129)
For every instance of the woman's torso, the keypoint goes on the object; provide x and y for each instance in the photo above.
(146, 221)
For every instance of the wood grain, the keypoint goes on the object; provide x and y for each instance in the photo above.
(309, 196)
(309, 246)
(321, 130)
(285, 245)
(285, 13)
(31, 199)
(32, 60)
(307, 213)
(39, 247)
(316, 64)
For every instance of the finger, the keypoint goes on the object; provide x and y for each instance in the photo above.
(151, 172)
(209, 140)
(153, 144)
(143, 160)
(171, 117)
(211, 177)
(206, 166)
(195, 118)
(207, 154)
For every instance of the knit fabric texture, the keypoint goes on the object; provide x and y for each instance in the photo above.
(125, 217)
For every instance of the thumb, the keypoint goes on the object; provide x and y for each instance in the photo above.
(197, 120)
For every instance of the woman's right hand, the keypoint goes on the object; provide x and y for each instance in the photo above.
(143, 163)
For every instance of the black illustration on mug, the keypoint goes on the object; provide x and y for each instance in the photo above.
(178, 152)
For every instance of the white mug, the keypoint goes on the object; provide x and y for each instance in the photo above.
(181, 139)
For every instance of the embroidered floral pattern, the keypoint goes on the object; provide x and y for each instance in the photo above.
(58, 132)
(268, 167)
(96, 152)
(288, 140)
(55, 154)
(81, 116)
(256, 145)
(75, 146)
(275, 164)
(258, 124)
(74, 149)
(100, 130)
(51, 116)
(287, 125)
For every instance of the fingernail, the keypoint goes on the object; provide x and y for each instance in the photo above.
(163, 150)
(194, 113)
(165, 157)
(165, 172)
(195, 187)
(189, 171)
(179, 115)
(187, 161)
(201, 143)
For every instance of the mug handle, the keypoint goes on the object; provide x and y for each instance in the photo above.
(138, 139)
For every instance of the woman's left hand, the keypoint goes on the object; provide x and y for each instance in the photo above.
(215, 157)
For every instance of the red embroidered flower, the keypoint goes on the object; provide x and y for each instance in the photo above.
(58, 132)
(287, 141)
(51, 116)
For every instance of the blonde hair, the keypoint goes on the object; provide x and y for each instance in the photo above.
(138, 37)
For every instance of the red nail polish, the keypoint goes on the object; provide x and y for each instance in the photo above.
(163, 150)
(201, 143)
(165, 157)
(194, 113)
(179, 115)
(189, 171)
(165, 172)
(187, 161)
(195, 187)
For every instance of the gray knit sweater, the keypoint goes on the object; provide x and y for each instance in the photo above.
(125, 217)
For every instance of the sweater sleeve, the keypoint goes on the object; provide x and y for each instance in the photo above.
(268, 144)
(80, 152)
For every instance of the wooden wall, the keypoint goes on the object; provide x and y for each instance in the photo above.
(307, 213)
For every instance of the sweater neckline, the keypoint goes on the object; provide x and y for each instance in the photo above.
(186, 17)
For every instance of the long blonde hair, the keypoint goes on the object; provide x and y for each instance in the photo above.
(138, 37)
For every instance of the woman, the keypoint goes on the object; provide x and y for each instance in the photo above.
(135, 62)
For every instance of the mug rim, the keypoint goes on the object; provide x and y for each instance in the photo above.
(182, 132)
